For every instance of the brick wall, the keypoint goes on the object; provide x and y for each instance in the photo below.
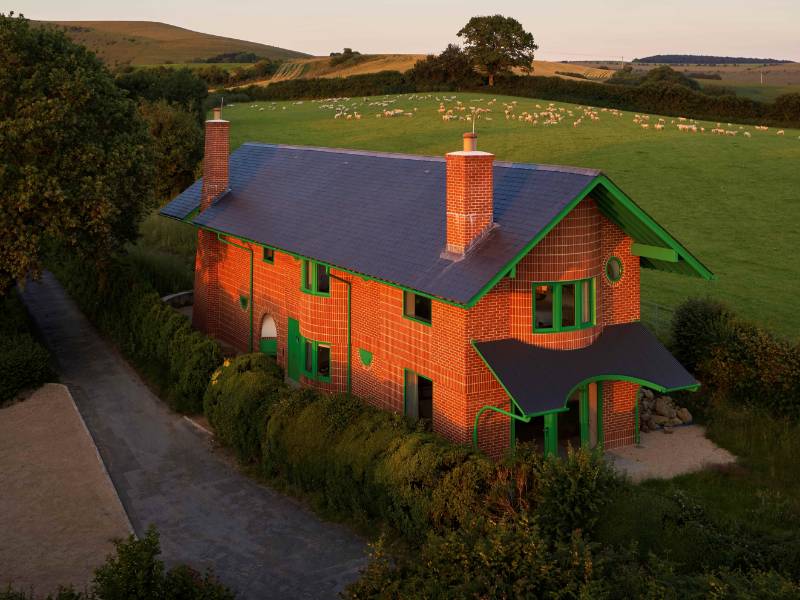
(576, 248)
(469, 198)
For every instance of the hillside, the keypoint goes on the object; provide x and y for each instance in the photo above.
(152, 43)
(319, 66)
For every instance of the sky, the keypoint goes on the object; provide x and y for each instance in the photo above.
(577, 30)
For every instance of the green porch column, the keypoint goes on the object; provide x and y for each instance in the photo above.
(551, 434)
(584, 416)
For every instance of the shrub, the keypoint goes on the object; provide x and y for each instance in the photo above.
(24, 363)
(175, 358)
(698, 325)
(237, 399)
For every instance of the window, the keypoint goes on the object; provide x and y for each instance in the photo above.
(416, 307)
(563, 306)
(316, 278)
(269, 255)
(317, 360)
(614, 269)
(418, 396)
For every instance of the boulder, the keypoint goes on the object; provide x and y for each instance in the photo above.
(646, 393)
(675, 421)
(659, 419)
(664, 407)
(684, 415)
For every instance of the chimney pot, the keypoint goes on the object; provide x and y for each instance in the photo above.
(470, 142)
(217, 112)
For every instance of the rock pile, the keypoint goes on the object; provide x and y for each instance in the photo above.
(660, 411)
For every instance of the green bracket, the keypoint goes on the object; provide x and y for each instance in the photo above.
(654, 252)
(366, 357)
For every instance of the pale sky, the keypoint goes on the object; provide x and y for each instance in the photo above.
(576, 30)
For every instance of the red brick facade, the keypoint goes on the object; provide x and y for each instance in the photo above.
(576, 248)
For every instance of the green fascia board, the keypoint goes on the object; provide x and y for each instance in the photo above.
(654, 252)
(613, 203)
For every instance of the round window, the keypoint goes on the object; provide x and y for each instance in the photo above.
(614, 269)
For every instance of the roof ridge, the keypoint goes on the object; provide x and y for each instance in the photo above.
(427, 157)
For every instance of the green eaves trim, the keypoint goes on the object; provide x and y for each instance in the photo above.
(654, 252)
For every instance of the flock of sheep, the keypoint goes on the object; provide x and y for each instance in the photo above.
(451, 108)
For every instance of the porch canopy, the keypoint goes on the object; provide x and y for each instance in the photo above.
(540, 380)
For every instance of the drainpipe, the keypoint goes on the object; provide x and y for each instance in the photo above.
(349, 331)
(250, 251)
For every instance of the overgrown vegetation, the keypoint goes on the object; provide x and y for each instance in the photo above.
(135, 572)
(24, 363)
(172, 356)
(346, 57)
(738, 360)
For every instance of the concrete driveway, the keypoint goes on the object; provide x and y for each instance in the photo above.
(259, 542)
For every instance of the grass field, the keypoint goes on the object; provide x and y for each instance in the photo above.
(732, 200)
(152, 43)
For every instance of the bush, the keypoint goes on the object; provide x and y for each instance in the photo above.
(371, 84)
(174, 357)
(736, 359)
(24, 363)
(237, 399)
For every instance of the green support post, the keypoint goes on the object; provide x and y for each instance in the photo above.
(551, 434)
(584, 416)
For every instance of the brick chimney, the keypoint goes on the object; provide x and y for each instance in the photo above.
(470, 203)
(215, 159)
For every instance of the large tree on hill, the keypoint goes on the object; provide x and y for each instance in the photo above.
(497, 43)
(75, 156)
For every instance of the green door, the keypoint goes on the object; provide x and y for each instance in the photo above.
(294, 357)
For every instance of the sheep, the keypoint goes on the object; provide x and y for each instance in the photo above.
(781, 132)
(746, 134)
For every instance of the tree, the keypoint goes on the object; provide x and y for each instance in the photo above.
(177, 146)
(497, 43)
(450, 68)
(177, 86)
(75, 156)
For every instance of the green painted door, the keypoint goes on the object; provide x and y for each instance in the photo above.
(294, 356)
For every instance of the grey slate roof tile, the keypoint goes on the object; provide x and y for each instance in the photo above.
(379, 214)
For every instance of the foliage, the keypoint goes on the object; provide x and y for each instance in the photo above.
(237, 399)
(180, 87)
(626, 76)
(452, 69)
(167, 273)
(177, 146)
(160, 341)
(76, 158)
(509, 558)
(136, 573)
(372, 84)
(231, 57)
(497, 43)
(24, 363)
(736, 359)
(701, 59)
(347, 56)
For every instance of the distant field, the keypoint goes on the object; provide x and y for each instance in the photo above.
(762, 93)
(732, 200)
(151, 43)
(195, 65)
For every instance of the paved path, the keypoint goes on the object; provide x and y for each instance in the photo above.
(259, 542)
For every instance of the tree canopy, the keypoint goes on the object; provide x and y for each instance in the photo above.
(75, 156)
(450, 68)
(497, 43)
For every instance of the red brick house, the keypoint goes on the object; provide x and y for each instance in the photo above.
(498, 300)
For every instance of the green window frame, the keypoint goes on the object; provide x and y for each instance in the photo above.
(268, 255)
(316, 360)
(417, 308)
(581, 293)
(316, 278)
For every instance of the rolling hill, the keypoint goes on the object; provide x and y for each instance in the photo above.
(152, 43)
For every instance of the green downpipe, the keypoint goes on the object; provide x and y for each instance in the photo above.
(249, 250)
(525, 419)
(349, 331)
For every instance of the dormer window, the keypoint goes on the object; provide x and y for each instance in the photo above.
(563, 305)
(316, 278)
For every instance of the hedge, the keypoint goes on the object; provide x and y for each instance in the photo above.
(657, 98)
(738, 359)
(24, 362)
(375, 467)
(171, 355)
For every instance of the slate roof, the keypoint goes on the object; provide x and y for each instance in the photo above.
(379, 214)
(540, 379)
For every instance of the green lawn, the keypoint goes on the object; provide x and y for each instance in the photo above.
(732, 200)
(762, 93)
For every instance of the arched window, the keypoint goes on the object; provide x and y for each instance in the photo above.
(269, 336)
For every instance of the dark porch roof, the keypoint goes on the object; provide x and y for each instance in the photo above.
(540, 380)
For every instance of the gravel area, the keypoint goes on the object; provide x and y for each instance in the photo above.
(59, 511)
(665, 455)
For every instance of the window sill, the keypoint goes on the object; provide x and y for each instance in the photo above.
(416, 320)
